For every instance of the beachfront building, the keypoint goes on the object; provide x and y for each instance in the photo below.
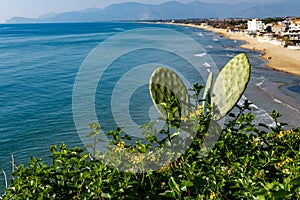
(278, 29)
(255, 25)
(286, 23)
(295, 26)
(292, 36)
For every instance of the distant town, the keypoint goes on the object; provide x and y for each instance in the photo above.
(278, 31)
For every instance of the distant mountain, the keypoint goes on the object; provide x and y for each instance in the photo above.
(169, 10)
(22, 20)
(280, 9)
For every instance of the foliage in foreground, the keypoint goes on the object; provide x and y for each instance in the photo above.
(247, 162)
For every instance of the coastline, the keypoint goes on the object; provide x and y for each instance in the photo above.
(282, 59)
(278, 58)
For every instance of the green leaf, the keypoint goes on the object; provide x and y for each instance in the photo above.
(169, 194)
(185, 184)
(259, 198)
(106, 195)
(280, 194)
(141, 147)
(261, 192)
(296, 181)
(174, 185)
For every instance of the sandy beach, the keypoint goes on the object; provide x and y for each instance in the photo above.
(278, 57)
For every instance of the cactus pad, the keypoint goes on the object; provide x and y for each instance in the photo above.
(207, 91)
(165, 84)
(230, 85)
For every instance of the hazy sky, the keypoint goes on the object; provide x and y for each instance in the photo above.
(34, 8)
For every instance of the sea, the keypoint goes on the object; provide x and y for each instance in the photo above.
(49, 81)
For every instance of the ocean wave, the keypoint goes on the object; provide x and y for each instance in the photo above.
(230, 55)
(260, 81)
(262, 116)
(200, 55)
(206, 64)
(276, 94)
(287, 105)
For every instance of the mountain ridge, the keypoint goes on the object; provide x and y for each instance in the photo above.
(169, 10)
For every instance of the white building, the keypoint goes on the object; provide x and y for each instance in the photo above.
(255, 25)
(295, 26)
(278, 29)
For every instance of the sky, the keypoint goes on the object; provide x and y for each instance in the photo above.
(35, 8)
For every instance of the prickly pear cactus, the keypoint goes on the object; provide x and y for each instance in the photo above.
(230, 85)
(165, 84)
(207, 91)
(227, 90)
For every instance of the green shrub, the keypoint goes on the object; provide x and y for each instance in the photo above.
(248, 162)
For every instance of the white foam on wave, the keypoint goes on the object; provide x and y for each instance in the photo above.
(242, 100)
(230, 55)
(206, 64)
(262, 116)
(119, 29)
(285, 104)
(253, 106)
(200, 55)
(259, 84)
(261, 80)
(200, 34)
(278, 101)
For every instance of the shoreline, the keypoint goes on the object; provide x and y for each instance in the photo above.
(277, 57)
(270, 89)
(273, 90)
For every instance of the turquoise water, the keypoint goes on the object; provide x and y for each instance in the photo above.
(39, 64)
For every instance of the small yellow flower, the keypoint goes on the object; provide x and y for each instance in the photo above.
(280, 164)
(184, 119)
(212, 195)
(121, 145)
(192, 115)
(288, 160)
(281, 135)
(151, 156)
(200, 107)
(286, 171)
(164, 168)
(289, 132)
(199, 112)
(136, 159)
(256, 142)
